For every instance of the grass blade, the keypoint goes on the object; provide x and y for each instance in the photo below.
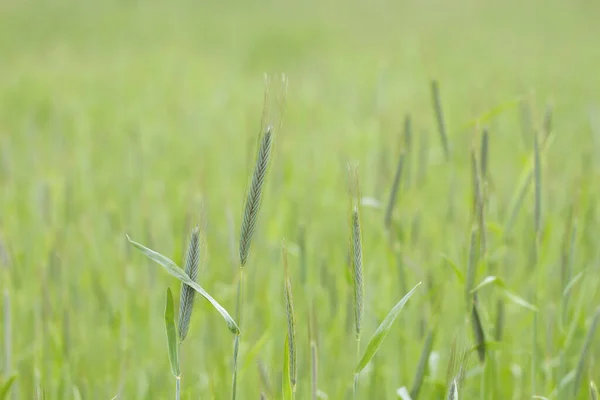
(382, 331)
(485, 143)
(422, 366)
(471, 267)
(394, 191)
(439, 114)
(478, 332)
(172, 335)
(5, 389)
(585, 351)
(178, 273)
(593, 391)
(499, 320)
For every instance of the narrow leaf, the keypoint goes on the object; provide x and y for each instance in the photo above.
(172, 335)
(382, 331)
(5, 390)
(519, 300)
(488, 280)
(180, 274)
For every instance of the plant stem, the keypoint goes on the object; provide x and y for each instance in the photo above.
(236, 344)
(177, 388)
(356, 374)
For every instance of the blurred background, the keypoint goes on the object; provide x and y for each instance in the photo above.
(142, 118)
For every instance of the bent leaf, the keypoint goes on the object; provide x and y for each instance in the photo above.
(382, 331)
(519, 300)
(5, 389)
(488, 280)
(180, 274)
(172, 335)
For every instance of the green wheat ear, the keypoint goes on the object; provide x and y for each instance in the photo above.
(254, 194)
(291, 323)
(186, 300)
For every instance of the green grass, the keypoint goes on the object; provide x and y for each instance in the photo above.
(129, 118)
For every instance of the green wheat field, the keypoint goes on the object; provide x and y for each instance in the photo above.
(305, 165)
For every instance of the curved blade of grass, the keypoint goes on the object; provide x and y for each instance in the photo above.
(488, 280)
(519, 300)
(585, 351)
(459, 275)
(180, 274)
(382, 331)
(6, 387)
(172, 335)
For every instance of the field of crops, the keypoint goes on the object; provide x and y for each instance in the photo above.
(333, 156)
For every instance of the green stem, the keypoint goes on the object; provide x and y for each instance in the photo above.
(356, 375)
(236, 344)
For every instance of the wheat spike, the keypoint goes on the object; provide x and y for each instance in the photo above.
(358, 277)
(186, 300)
(254, 194)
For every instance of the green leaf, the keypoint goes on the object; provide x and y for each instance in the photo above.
(382, 331)
(488, 280)
(459, 275)
(519, 300)
(572, 283)
(180, 274)
(5, 389)
(172, 335)
(285, 376)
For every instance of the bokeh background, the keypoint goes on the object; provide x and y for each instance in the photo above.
(142, 118)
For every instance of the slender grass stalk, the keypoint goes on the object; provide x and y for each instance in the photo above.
(314, 369)
(408, 148)
(7, 322)
(251, 210)
(422, 366)
(314, 366)
(439, 114)
(499, 320)
(547, 124)
(537, 174)
(471, 268)
(478, 332)
(264, 378)
(567, 254)
(484, 155)
(585, 351)
(394, 191)
(423, 162)
(291, 323)
(303, 261)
